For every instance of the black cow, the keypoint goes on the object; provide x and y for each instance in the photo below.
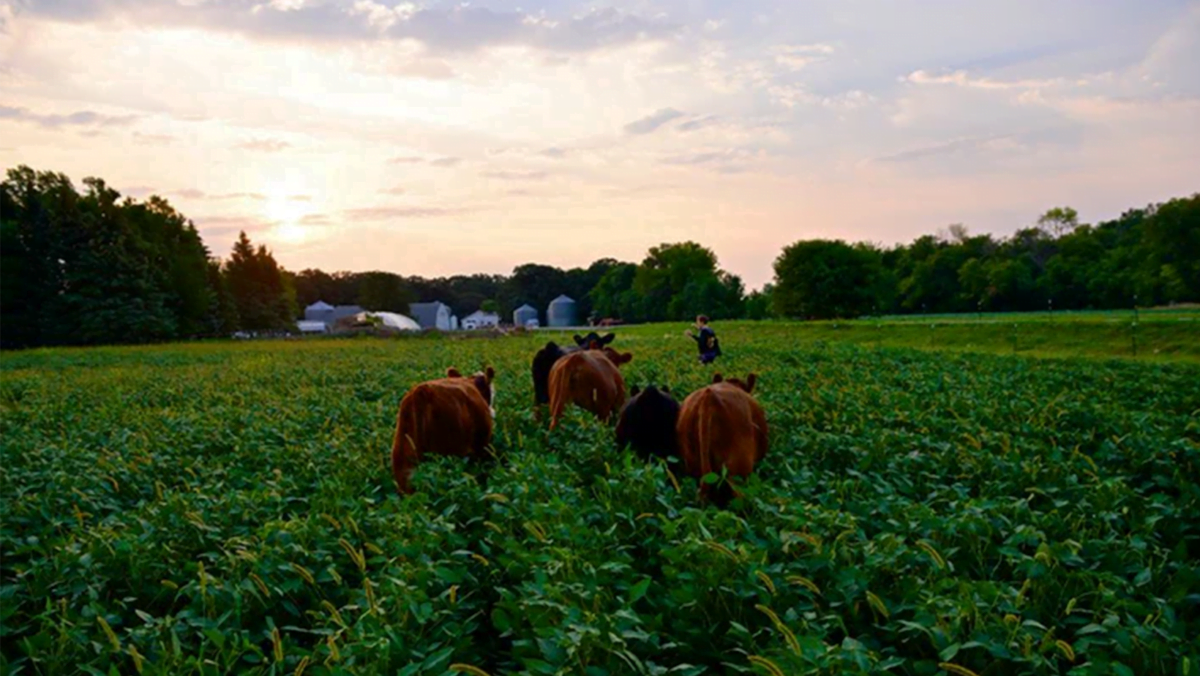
(544, 360)
(647, 424)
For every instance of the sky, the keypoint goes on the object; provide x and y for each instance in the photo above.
(434, 138)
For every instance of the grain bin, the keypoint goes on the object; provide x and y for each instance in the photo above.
(524, 314)
(561, 312)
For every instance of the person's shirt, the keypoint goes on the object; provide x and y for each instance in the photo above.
(706, 340)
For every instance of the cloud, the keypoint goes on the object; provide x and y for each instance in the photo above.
(300, 198)
(457, 29)
(1007, 152)
(653, 121)
(264, 145)
(437, 162)
(505, 175)
(697, 123)
(214, 227)
(554, 153)
(139, 191)
(83, 118)
(726, 161)
(385, 213)
(798, 57)
(961, 78)
(197, 194)
(153, 139)
(395, 190)
(315, 219)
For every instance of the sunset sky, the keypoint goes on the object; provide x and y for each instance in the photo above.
(434, 138)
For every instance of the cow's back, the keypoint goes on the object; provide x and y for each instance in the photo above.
(721, 426)
(589, 380)
(448, 416)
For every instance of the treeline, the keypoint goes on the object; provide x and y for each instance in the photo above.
(675, 281)
(88, 268)
(84, 268)
(1148, 256)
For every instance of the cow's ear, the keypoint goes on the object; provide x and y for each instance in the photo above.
(750, 380)
(717, 378)
(626, 358)
(634, 391)
(551, 345)
(579, 340)
(453, 373)
(607, 338)
(666, 388)
(490, 373)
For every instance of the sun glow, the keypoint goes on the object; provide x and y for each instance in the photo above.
(286, 205)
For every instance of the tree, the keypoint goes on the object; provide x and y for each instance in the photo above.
(823, 279)
(259, 292)
(1172, 249)
(1059, 221)
(758, 304)
(383, 292)
(489, 305)
(613, 295)
(663, 278)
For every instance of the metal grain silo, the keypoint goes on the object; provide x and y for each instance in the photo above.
(561, 312)
(524, 314)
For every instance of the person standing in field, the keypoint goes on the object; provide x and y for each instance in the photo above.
(706, 340)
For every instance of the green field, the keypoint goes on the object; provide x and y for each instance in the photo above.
(932, 504)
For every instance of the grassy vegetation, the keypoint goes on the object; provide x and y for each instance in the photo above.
(1159, 339)
(221, 508)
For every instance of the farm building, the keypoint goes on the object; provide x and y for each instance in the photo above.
(434, 315)
(327, 314)
(561, 312)
(394, 320)
(525, 314)
(319, 311)
(312, 326)
(480, 319)
(340, 311)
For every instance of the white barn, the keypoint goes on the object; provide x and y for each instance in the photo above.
(480, 320)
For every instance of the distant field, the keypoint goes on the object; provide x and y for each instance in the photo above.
(1186, 313)
(931, 504)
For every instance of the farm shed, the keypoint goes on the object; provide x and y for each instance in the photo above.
(480, 319)
(396, 320)
(433, 315)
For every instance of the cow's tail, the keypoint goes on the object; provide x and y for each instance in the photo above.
(703, 453)
(404, 447)
(722, 492)
(558, 398)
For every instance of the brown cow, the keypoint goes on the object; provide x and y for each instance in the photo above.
(448, 416)
(589, 379)
(722, 426)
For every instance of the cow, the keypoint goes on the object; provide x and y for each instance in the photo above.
(721, 426)
(544, 360)
(448, 416)
(647, 424)
(589, 379)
